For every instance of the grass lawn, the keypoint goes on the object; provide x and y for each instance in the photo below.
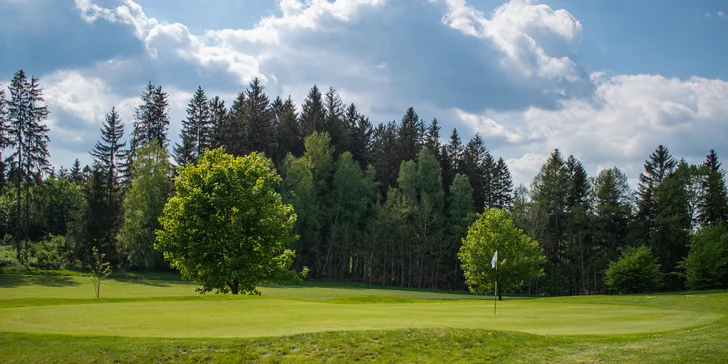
(54, 318)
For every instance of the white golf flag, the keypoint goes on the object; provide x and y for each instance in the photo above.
(494, 260)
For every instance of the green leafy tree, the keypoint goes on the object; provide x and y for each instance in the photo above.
(706, 266)
(227, 227)
(520, 258)
(636, 271)
(143, 204)
(99, 269)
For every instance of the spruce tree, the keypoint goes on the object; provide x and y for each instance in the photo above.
(503, 186)
(455, 150)
(471, 165)
(4, 141)
(258, 120)
(334, 122)
(109, 152)
(196, 134)
(410, 135)
(713, 204)
(75, 175)
(289, 137)
(432, 138)
(28, 138)
(151, 123)
(658, 167)
(235, 139)
(218, 116)
(386, 160)
(361, 136)
(313, 113)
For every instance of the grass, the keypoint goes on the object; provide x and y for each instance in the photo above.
(46, 321)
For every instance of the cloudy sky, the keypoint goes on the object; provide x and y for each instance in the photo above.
(605, 80)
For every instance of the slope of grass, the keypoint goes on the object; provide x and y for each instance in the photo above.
(347, 323)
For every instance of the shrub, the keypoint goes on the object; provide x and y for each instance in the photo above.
(706, 266)
(50, 253)
(635, 271)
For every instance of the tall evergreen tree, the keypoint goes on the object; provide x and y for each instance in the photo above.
(151, 123)
(455, 150)
(218, 116)
(289, 137)
(386, 160)
(502, 186)
(410, 135)
(28, 138)
(550, 193)
(658, 167)
(713, 205)
(259, 131)
(432, 138)
(313, 113)
(335, 123)
(4, 128)
(109, 151)
(361, 133)
(75, 174)
(613, 210)
(471, 165)
(235, 139)
(197, 131)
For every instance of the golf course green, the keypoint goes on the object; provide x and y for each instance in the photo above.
(48, 311)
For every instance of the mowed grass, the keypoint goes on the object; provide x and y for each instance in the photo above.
(152, 320)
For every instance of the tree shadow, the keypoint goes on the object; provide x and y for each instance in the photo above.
(146, 282)
(18, 280)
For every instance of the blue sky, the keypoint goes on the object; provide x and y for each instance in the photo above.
(606, 81)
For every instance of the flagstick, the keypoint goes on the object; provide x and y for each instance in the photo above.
(495, 294)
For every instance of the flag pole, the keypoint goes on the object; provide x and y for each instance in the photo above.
(495, 294)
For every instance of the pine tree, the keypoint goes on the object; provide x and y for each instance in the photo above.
(334, 122)
(471, 165)
(550, 193)
(713, 204)
(386, 161)
(28, 138)
(361, 136)
(455, 150)
(151, 123)
(313, 113)
(660, 165)
(258, 122)
(218, 116)
(235, 128)
(290, 139)
(432, 138)
(488, 173)
(410, 135)
(503, 186)
(108, 152)
(4, 129)
(196, 134)
(75, 175)
(612, 207)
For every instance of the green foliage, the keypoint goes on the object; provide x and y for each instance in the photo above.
(706, 266)
(227, 227)
(98, 269)
(143, 206)
(636, 271)
(520, 258)
(53, 252)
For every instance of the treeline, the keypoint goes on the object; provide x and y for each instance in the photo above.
(386, 203)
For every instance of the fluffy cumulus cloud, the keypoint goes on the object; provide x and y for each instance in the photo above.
(625, 120)
(511, 73)
(534, 40)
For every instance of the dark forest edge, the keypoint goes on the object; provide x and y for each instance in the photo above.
(380, 204)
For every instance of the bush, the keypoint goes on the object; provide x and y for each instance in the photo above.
(706, 266)
(636, 271)
(50, 253)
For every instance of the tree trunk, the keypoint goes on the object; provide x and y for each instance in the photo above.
(235, 287)
(500, 294)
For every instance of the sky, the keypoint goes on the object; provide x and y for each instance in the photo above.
(605, 80)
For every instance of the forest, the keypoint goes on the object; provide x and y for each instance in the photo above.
(380, 203)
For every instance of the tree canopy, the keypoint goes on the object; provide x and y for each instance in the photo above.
(227, 227)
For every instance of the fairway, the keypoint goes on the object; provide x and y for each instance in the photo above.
(53, 318)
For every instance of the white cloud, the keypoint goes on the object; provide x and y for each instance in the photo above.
(722, 15)
(517, 29)
(628, 116)
(238, 51)
(524, 168)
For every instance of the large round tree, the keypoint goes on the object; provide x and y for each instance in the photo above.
(227, 227)
(519, 257)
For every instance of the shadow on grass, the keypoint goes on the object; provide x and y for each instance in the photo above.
(17, 280)
(145, 282)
